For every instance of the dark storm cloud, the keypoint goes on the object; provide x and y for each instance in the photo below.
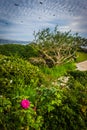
(19, 18)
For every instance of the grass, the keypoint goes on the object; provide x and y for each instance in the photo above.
(58, 71)
(81, 56)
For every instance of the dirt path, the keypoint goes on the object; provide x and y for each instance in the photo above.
(82, 66)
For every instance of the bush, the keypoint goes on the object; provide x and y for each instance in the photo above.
(51, 107)
(18, 81)
(67, 108)
(80, 76)
(81, 56)
(23, 51)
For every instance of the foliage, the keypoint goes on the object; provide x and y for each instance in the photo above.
(23, 51)
(81, 77)
(67, 108)
(51, 107)
(56, 47)
(18, 80)
(81, 56)
(58, 71)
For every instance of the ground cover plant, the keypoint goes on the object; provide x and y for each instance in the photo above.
(81, 56)
(51, 106)
(23, 51)
(18, 81)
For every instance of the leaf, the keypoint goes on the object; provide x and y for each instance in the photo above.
(83, 109)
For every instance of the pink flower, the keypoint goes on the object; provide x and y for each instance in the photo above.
(25, 104)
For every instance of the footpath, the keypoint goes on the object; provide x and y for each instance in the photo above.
(82, 66)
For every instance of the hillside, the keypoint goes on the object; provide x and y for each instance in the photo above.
(40, 88)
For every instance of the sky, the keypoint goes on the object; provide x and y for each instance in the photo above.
(20, 18)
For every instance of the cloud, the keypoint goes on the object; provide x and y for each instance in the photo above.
(19, 18)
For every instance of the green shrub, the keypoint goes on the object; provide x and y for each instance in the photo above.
(51, 107)
(58, 71)
(23, 51)
(67, 107)
(18, 81)
(80, 76)
(81, 56)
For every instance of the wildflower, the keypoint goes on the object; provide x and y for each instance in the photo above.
(11, 81)
(25, 104)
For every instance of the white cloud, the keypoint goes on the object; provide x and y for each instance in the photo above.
(30, 15)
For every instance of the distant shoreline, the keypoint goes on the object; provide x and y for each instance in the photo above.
(4, 41)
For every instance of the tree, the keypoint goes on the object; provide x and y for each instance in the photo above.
(56, 47)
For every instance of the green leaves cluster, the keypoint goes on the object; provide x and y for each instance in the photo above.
(18, 80)
(52, 107)
(23, 51)
(67, 106)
